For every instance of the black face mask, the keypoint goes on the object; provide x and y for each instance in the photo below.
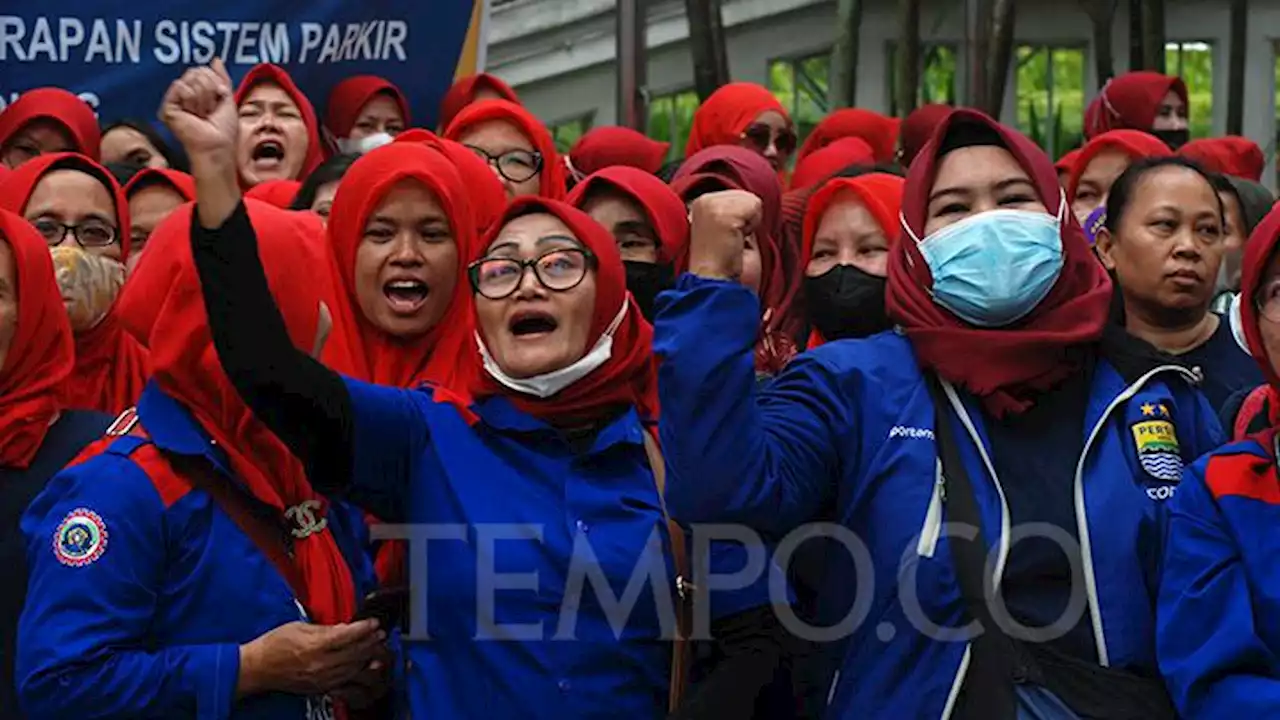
(846, 302)
(645, 280)
(1173, 138)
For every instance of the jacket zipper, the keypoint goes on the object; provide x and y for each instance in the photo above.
(932, 527)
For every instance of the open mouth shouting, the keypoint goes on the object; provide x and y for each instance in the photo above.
(532, 324)
(268, 155)
(406, 295)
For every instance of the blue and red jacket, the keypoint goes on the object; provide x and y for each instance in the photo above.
(142, 589)
(1219, 611)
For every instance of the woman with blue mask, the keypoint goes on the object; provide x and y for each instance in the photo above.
(991, 442)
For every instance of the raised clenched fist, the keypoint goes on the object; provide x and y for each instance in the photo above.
(199, 108)
(721, 223)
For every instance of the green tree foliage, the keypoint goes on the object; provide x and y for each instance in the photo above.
(567, 133)
(801, 86)
(671, 119)
(937, 76)
(1193, 62)
(1049, 84)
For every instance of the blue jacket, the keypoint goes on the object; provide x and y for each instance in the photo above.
(852, 424)
(520, 532)
(142, 589)
(1219, 611)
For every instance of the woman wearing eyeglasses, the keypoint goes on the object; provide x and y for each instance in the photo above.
(76, 205)
(747, 115)
(516, 145)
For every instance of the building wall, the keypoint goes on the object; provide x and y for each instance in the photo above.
(560, 53)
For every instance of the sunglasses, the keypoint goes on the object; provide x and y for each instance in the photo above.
(759, 136)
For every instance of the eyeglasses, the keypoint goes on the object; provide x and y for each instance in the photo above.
(760, 136)
(90, 233)
(556, 270)
(516, 166)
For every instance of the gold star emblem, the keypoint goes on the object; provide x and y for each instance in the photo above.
(1164, 411)
(1148, 409)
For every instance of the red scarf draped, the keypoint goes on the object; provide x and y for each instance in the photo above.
(1067, 163)
(822, 164)
(112, 367)
(1005, 367)
(611, 146)
(880, 132)
(164, 304)
(348, 98)
(918, 128)
(1230, 155)
(463, 92)
(273, 75)
(279, 193)
(1258, 251)
(1133, 143)
(179, 182)
(1131, 101)
(485, 193)
(40, 355)
(73, 114)
(664, 208)
(724, 116)
(552, 175)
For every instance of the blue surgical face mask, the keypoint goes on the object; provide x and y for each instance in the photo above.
(993, 268)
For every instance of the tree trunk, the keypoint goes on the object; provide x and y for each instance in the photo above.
(907, 63)
(633, 61)
(1153, 35)
(842, 91)
(978, 85)
(1000, 53)
(1102, 15)
(1135, 35)
(1235, 80)
(706, 43)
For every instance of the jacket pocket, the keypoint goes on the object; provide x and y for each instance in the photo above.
(932, 527)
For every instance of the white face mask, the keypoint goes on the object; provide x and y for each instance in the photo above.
(548, 384)
(363, 145)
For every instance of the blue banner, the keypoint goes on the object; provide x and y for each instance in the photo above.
(121, 55)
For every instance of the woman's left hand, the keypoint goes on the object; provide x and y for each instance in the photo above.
(370, 686)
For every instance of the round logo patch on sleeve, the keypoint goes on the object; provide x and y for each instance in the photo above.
(80, 539)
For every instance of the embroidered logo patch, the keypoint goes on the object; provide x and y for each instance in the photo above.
(1157, 443)
(80, 539)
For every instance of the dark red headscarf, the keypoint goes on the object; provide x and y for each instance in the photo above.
(822, 164)
(1067, 163)
(1133, 143)
(349, 97)
(1230, 155)
(1258, 251)
(111, 366)
(267, 73)
(611, 146)
(383, 358)
(918, 128)
(552, 176)
(279, 193)
(166, 309)
(463, 93)
(1131, 101)
(661, 204)
(880, 132)
(485, 194)
(176, 180)
(1005, 367)
(40, 355)
(724, 116)
(60, 106)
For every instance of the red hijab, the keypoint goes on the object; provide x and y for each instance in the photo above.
(487, 197)
(1067, 163)
(382, 358)
(111, 366)
(271, 74)
(822, 164)
(1005, 367)
(629, 377)
(178, 181)
(918, 128)
(279, 193)
(50, 103)
(40, 355)
(348, 98)
(166, 308)
(724, 116)
(1131, 101)
(1133, 143)
(611, 146)
(552, 175)
(1230, 155)
(1258, 252)
(464, 90)
(664, 208)
(880, 132)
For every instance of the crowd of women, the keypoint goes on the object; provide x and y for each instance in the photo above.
(334, 417)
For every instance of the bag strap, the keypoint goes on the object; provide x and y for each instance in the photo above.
(988, 687)
(681, 648)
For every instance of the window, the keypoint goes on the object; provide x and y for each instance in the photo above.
(567, 132)
(1193, 62)
(937, 76)
(800, 84)
(671, 119)
(1050, 96)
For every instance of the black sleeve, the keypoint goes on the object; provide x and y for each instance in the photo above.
(752, 647)
(301, 401)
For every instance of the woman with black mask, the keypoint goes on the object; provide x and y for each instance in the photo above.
(849, 226)
(648, 220)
